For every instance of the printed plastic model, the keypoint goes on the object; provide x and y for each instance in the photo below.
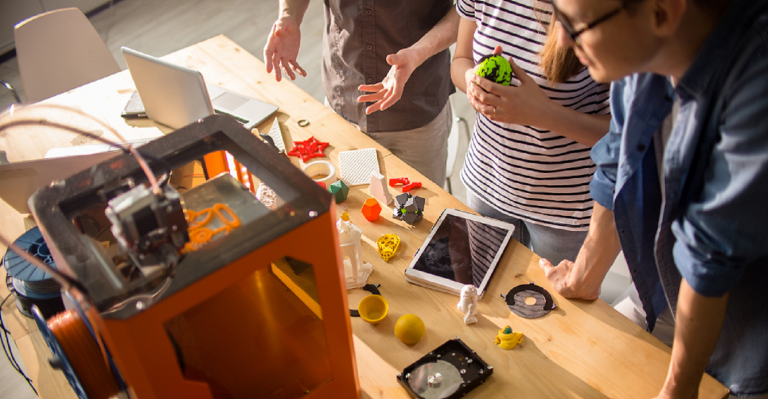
(495, 68)
(308, 149)
(373, 308)
(371, 209)
(468, 304)
(268, 197)
(378, 189)
(410, 329)
(409, 208)
(339, 191)
(387, 245)
(405, 182)
(356, 166)
(508, 339)
(355, 270)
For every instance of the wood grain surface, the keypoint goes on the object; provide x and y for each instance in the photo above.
(582, 349)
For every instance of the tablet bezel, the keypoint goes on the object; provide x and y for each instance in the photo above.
(429, 280)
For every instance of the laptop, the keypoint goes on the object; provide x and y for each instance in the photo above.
(177, 96)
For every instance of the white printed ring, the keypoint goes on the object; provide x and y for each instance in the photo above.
(321, 171)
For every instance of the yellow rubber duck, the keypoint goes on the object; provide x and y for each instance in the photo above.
(508, 339)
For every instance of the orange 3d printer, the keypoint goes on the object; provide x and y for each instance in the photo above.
(201, 293)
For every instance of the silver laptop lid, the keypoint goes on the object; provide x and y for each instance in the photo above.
(161, 85)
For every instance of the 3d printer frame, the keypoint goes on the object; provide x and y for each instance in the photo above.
(131, 315)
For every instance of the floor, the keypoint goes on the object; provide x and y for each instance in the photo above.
(161, 27)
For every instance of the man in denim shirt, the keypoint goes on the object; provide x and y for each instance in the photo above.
(694, 236)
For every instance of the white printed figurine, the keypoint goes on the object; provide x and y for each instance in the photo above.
(378, 189)
(355, 270)
(468, 303)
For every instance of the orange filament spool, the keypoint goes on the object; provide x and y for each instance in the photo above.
(84, 355)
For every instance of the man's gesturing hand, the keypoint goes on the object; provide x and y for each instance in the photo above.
(282, 48)
(387, 92)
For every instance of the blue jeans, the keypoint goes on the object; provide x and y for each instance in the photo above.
(548, 242)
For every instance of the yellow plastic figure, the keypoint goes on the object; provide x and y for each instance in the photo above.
(387, 245)
(508, 339)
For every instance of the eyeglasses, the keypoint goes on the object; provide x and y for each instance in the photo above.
(573, 33)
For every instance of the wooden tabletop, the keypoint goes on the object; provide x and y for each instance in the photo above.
(582, 349)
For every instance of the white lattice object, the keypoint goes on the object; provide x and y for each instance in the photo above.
(268, 197)
(355, 167)
(277, 135)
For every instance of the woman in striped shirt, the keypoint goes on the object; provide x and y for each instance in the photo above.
(528, 162)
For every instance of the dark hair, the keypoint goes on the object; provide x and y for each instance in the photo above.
(557, 62)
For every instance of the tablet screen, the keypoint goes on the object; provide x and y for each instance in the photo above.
(462, 250)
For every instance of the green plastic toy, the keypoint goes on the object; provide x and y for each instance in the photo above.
(495, 68)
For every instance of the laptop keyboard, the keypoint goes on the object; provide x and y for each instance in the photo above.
(242, 121)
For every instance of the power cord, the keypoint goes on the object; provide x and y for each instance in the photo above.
(6, 343)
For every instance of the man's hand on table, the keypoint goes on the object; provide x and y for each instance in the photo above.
(282, 48)
(387, 92)
(568, 280)
(582, 279)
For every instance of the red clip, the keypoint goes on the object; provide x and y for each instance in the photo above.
(322, 185)
(405, 182)
(411, 186)
(399, 181)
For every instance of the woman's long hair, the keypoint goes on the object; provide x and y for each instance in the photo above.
(557, 62)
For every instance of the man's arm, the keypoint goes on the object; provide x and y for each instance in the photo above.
(698, 325)
(404, 62)
(582, 279)
(284, 40)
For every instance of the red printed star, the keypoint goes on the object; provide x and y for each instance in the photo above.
(308, 149)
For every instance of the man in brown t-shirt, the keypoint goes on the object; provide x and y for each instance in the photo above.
(397, 52)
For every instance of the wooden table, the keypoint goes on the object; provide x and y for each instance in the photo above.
(582, 349)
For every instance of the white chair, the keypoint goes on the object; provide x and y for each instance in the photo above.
(10, 90)
(58, 51)
(453, 144)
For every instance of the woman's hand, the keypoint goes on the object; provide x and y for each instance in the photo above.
(526, 104)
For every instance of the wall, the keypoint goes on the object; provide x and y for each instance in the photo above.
(15, 11)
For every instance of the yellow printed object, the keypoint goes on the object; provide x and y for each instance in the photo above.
(508, 339)
(200, 235)
(409, 329)
(388, 244)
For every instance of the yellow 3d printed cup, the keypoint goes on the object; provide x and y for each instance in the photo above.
(373, 308)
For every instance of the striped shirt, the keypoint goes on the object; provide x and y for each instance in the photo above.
(528, 173)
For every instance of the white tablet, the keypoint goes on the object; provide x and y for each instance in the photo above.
(461, 249)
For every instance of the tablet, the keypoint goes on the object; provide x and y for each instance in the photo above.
(461, 249)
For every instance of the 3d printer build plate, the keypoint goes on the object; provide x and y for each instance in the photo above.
(448, 372)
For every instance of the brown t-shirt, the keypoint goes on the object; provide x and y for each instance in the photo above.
(359, 34)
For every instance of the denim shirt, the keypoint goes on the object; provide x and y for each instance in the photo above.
(707, 222)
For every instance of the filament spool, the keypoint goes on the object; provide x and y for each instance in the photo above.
(78, 353)
(30, 285)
